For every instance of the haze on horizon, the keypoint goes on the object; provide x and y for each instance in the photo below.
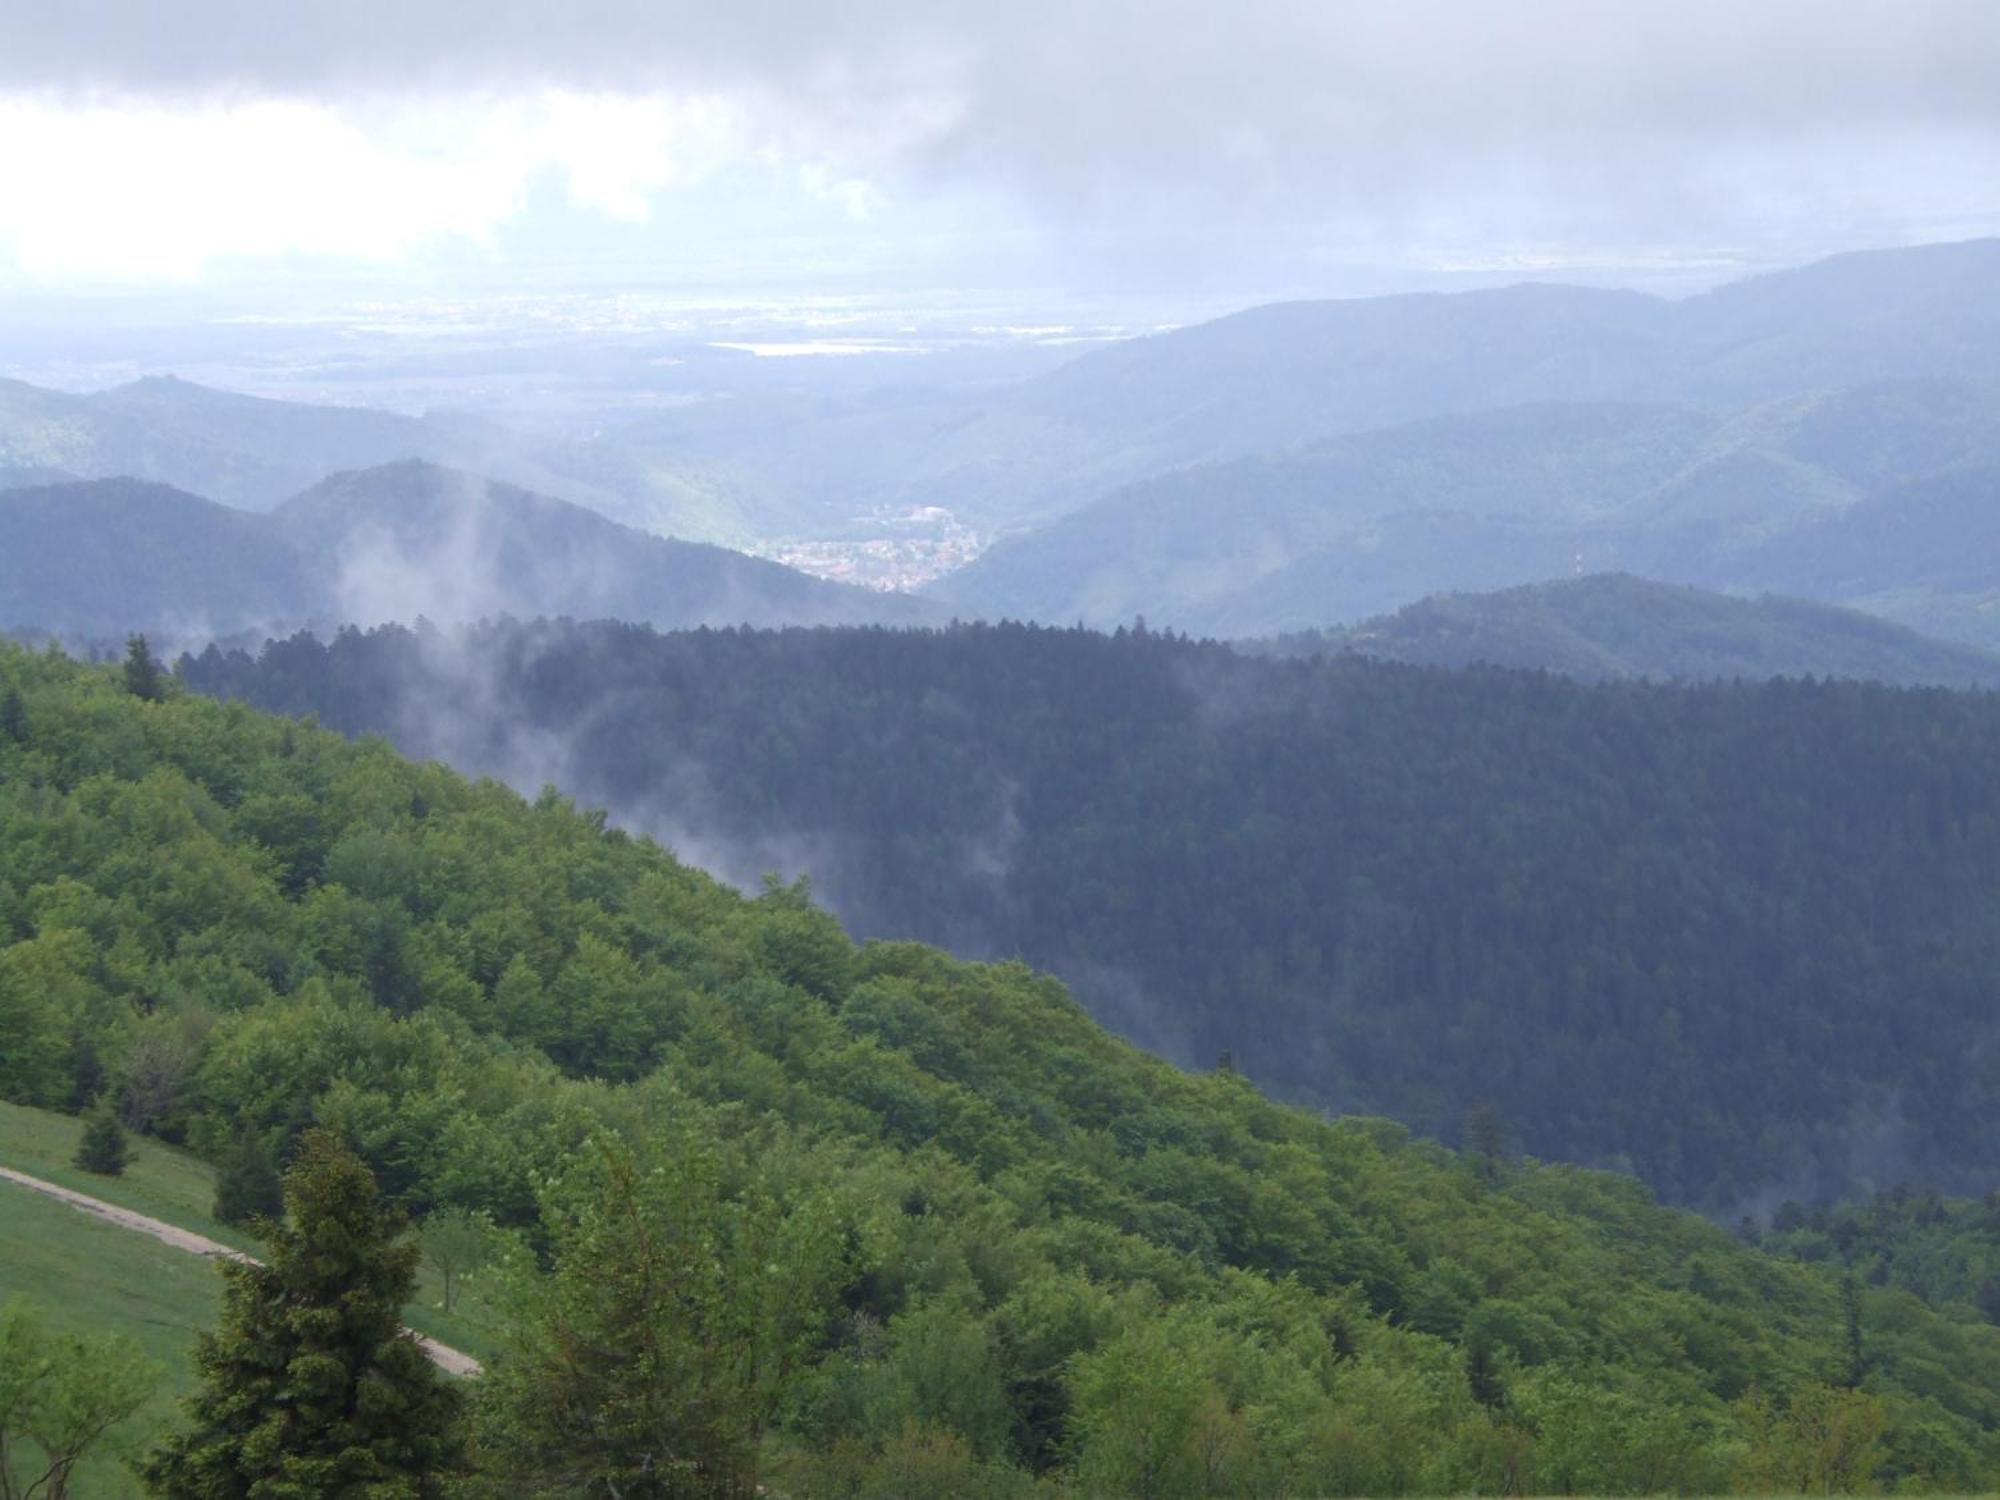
(1179, 156)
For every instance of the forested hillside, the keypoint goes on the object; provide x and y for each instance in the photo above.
(937, 1232)
(1615, 625)
(1738, 939)
(1815, 495)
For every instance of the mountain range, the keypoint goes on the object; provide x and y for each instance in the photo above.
(99, 558)
(1291, 466)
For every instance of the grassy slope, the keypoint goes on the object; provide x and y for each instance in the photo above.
(178, 1187)
(85, 1276)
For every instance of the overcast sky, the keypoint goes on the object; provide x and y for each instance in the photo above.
(1255, 145)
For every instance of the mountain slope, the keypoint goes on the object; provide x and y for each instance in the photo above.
(1733, 937)
(1615, 625)
(101, 557)
(1363, 524)
(412, 539)
(1049, 1254)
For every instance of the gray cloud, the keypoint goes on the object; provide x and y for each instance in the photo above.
(1442, 119)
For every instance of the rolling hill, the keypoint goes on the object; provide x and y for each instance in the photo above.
(1615, 625)
(1360, 525)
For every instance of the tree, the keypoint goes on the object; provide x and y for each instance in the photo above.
(310, 1385)
(13, 716)
(248, 1186)
(103, 1149)
(658, 1349)
(142, 674)
(455, 1242)
(58, 1396)
(1825, 1440)
(1486, 1140)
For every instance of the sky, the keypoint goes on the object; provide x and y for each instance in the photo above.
(1258, 147)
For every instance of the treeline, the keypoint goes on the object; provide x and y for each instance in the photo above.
(929, 1229)
(1736, 938)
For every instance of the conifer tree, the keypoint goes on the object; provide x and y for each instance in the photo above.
(309, 1385)
(248, 1186)
(103, 1149)
(142, 672)
(13, 716)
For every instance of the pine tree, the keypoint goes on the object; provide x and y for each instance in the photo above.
(248, 1186)
(309, 1385)
(103, 1149)
(13, 716)
(142, 673)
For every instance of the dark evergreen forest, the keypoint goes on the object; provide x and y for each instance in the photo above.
(1739, 938)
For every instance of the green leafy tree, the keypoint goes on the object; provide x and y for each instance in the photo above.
(13, 716)
(1826, 1440)
(310, 1386)
(455, 1242)
(657, 1350)
(248, 1186)
(58, 1395)
(103, 1148)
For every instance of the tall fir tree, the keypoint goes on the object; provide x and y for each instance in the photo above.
(142, 672)
(309, 1385)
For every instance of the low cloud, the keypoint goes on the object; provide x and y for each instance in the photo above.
(1177, 131)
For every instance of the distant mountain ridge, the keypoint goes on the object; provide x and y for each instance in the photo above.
(756, 467)
(1611, 625)
(98, 558)
(1770, 498)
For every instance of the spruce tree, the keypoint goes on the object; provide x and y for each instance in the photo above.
(248, 1186)
(309, 1385)
(142, 673)
(13, 716)
(103, 1149)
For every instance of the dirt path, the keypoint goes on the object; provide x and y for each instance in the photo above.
(451, 1361)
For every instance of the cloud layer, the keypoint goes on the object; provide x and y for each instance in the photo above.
(1447, 121)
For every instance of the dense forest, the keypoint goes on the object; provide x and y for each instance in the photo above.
(1945, 1250)
(935, 1232)
(1738, 939)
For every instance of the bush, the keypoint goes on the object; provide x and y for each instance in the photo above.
(103, 1149)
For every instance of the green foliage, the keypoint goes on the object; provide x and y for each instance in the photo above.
(59, 1394)
(309, 1385)
(247, 1185)
(1825, 1440)
(651, 1358)
(1944, 1250)
(142, 674)
(455, 1242)
(918, 1214)
(103, 1149)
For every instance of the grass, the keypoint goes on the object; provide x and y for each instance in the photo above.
(85, 1276)
(167, 1183)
